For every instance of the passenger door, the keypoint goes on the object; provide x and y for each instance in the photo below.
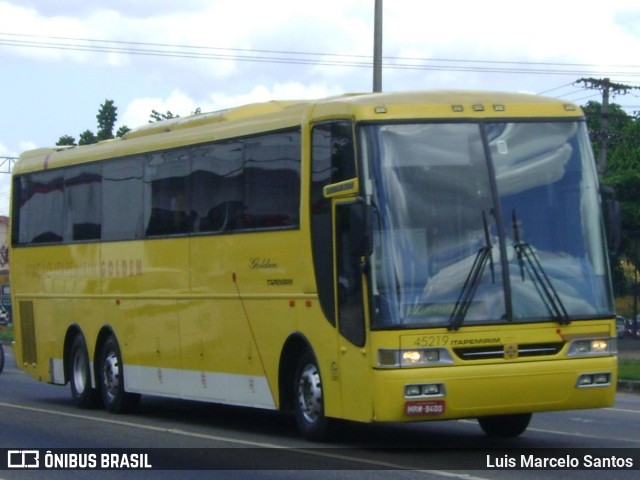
(339, 275)
(355, 365)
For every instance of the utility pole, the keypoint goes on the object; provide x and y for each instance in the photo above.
(608, 88)
(6, 164)
(377, 47)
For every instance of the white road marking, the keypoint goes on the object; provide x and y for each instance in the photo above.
(248, 443)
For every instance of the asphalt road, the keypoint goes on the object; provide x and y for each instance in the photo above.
(229, 442)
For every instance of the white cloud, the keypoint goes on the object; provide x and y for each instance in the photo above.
(26, 145)
(279, 91)
(179, 103)
(138, 111)
(65, 81)
(18, 20)
(22, 146)
(5, 180)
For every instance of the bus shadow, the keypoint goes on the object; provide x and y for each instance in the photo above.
(266, 428)
(452, 434)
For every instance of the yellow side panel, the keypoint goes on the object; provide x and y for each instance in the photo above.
(215, 336)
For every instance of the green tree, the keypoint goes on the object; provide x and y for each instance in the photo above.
(618, 121)
(66, 140)
(122, 130)
(87, 137)
(106, 117)
(623, 174)
(156, 116)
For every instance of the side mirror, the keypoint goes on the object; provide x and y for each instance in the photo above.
(361, 228)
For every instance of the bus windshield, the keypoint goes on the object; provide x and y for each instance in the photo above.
(484, 223)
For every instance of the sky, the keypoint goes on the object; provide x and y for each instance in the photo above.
(61, 59)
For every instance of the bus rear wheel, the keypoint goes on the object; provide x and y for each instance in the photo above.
(84, 395)
(505, 426)
(308, 400)
(112, 386)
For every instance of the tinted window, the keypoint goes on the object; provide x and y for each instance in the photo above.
(333, 157)
(247, 184)
(122, 201)
(272, 180)
(217, 189)
(41, 206)
(83, 199)
(167, 193)
(250, 183)
(332, 161)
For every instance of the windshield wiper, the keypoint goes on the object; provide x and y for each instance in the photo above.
(529, 262)
(470, 286)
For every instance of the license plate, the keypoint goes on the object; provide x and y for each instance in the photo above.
(424, 407)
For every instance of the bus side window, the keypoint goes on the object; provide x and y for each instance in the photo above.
(167, 176)
(41, 205)
(83, 202)
(122, 199)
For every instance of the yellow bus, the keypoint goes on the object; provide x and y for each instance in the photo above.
(393, 257)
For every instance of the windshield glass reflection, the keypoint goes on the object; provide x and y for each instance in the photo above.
(547, 189)
(445, 235)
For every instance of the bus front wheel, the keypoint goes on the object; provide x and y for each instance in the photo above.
(505, 425)
(112, 386)
(82, 392)
(308, 401)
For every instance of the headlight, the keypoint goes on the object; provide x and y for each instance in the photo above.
(424, 390)
(413, 357)
(588, 380)
(592, 347)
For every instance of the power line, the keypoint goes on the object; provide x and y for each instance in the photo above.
(577, 100)
(307, 58)
(607, 88)
(556, 88)
(290, 52)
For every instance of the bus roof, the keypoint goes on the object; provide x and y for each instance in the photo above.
(261, 117)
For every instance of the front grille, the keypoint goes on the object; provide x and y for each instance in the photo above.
(509, 351)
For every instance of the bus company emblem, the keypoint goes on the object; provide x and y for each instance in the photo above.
(511, 351)
(262, 264)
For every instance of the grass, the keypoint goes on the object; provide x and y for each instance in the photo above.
(6, 334)
(629, 370)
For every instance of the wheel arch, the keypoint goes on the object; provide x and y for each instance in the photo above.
(294, 347)
(105, 332)
(72, 332)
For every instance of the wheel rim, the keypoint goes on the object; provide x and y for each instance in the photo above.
(111, 376)
(79, 372)
(310, 394)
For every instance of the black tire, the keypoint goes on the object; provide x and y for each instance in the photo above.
(505, 426)
(308, 400)
(1, 358)
(83, 394)
(111, 378)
